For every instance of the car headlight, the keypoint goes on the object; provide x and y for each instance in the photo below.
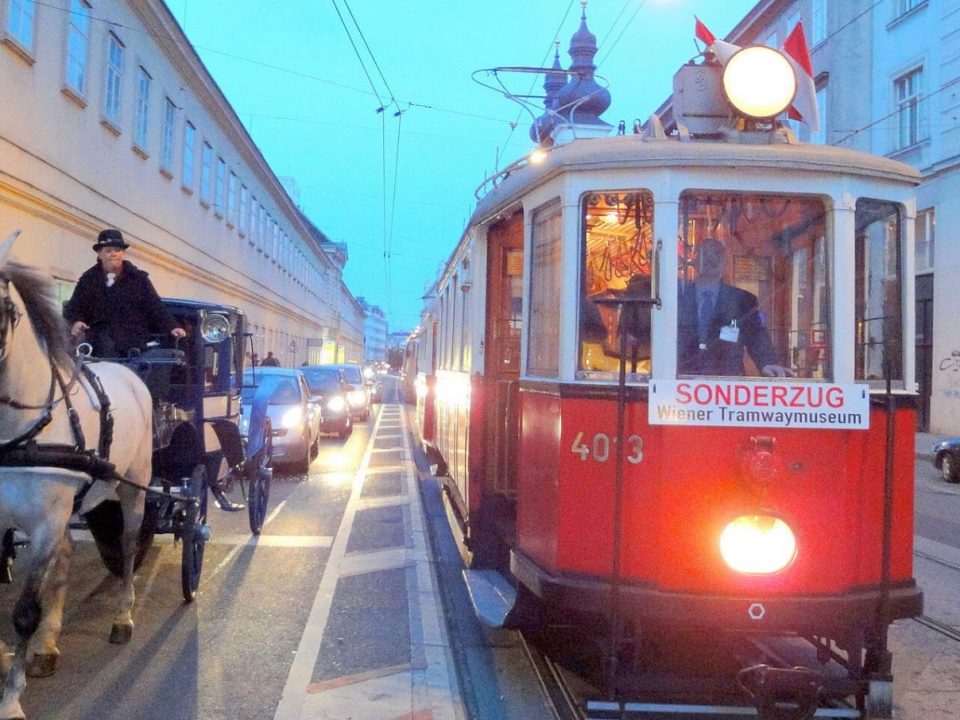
(758, 544)
(292, 418)
(356, 397)
(336, 403)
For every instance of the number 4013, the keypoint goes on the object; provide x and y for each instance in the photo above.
(598, 449)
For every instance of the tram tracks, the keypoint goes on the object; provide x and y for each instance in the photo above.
(563, 700)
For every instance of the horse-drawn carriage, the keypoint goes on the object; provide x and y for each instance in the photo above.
(197, 443)
(133, 447)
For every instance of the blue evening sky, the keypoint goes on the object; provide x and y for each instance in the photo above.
(398, 190)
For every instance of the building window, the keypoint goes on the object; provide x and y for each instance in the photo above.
(78, 42)
(20, 22)
(818, 31)
(254, 221)
(244, 209)
(231, 198)
(926, 232)
(142, 116)
(114, 80)
(545, 288)
(907, 90)
(219, 187)
(905, 6)
(189, 138)
(820, 136)
(206, 172)
(166, 143)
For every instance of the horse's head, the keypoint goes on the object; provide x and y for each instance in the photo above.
(25, 291)
(9, 312)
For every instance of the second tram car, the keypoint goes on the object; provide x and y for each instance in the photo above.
(670, 472)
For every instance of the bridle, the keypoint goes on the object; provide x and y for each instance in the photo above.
(9, 317)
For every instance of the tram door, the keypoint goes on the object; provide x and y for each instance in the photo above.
(924, 348)
(502, 354)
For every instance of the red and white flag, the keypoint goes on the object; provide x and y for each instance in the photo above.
(804, 105)
(723, 50)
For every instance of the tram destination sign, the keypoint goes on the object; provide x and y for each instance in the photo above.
(751, 403)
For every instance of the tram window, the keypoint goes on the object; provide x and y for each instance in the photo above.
(543, 357)
(616, 254)
(754, 289)
(878, 300)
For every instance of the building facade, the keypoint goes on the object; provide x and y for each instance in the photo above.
(111, 120)
(374, 333)
(887, 76)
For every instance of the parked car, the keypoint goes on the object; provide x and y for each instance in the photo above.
(328, 389)
(371, 379)
(946, 458)
(358, 396)
(294, 419)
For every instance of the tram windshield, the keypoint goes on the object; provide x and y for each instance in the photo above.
(753, 287)
(617, 250)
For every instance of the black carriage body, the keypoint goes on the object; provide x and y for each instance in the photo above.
(197, 401)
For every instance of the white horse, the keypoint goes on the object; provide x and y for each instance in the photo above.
(38, 386)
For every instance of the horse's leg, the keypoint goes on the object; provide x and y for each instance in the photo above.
(131, 503)
(43, 653)
(26, 619)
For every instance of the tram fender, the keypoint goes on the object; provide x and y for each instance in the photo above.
(492, 595)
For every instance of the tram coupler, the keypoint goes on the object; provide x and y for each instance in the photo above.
(782, 693)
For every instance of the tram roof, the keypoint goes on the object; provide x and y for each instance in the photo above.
(632, 151)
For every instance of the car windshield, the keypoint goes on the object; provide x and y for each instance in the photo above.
(322, 379)
(285, 393)
(353, 374)
(280, 389)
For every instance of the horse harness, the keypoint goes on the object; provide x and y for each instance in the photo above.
(25, 451)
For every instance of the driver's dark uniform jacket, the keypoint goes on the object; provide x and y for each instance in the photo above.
(121, 317)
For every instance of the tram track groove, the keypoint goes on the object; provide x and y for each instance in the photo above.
(555, 689)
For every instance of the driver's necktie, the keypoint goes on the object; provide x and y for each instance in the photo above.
(705, 317)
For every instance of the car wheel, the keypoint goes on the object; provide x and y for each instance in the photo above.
(950, 468)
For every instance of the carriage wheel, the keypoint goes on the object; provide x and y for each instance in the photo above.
(193, 533)
(260, 475)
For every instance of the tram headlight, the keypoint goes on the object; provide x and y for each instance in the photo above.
(759, 82)
(214, 327)
(292, 418)
(758, 544)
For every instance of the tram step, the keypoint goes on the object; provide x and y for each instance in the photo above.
(609, 710)
(492, 596)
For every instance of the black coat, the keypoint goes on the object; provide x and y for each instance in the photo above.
(720, 357)
(121, 317)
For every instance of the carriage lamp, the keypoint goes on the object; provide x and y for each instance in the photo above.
(759, 82)
(214, 327)
(758, 544)
(292, 418)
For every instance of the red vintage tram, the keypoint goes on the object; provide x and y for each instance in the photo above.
(624, 459)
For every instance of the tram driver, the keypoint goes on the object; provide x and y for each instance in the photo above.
(115, 304)
(716, 322)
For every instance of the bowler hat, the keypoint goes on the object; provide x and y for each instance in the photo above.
(110, 238)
